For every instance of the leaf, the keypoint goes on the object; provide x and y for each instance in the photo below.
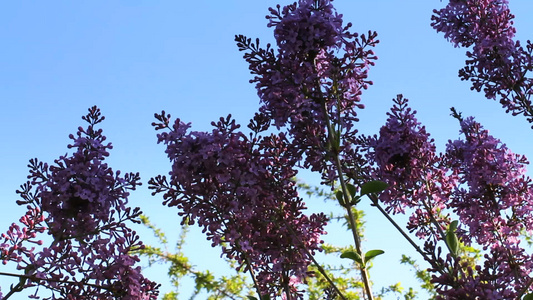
(355, 200)
(372, 253)
(451, 238)
(340, 197)
(353, 256)
(351, 189)
(453, 226)
(251, 298)
(528, 296)
(453, 242)
(375, 186)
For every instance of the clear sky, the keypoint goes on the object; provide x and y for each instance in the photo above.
(134, 58)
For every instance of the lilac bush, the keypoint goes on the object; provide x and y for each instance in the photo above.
(405, 157)
(82, 204)
(493, 201)
(310, 89)
(469, 208)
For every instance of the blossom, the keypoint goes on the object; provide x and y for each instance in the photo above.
(14, 248)
(313, 80)
(484, 23)
(242, 193)
(496, 64)
(494, 198)
(404, 156)
(83, 203)
(494, 278)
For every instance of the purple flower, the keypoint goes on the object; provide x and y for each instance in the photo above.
(84, 205)
(242, 193)
(496, 63)
(14, 246)
(306, 84)
(494, 202)
(405, 157)
(494, 198)
(484, 23)
(496, 278)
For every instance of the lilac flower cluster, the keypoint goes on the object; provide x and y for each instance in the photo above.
(242, 192)
(496, 64)
(494, 200)
(484, 24)
(316, 77)
(13, 247)
(84, 205)
(478, 179)
(405, 157)
(499, 198)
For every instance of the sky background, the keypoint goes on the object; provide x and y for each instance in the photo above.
(135, 58)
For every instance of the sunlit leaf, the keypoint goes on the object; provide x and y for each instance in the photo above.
(453, 242)
(353, 256)
(372, 253)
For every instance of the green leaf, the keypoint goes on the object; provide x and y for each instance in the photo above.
(372, 253)
(351, 189)
(353, 256)
(375, 186)
(453, 226)
(528, 296)
(251, 298)
(451, 238)
(340, 197)
(453, 242)
(355, 200)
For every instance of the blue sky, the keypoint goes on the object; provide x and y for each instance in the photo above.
(135, 58)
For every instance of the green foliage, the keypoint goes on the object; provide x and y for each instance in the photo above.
(225, 287)
(371, 254)
(170, 296)
(344, 275)
(451, 239)
(357, 258)
(340, 197)
(373, 187)
(353, 256)
(422, 275)
(398, 291)
(314, 191)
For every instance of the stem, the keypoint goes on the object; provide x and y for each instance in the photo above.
(429, 210)
(346, 204)
(286, 286)
(323, 272)
(402, 232)
(256, 285)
